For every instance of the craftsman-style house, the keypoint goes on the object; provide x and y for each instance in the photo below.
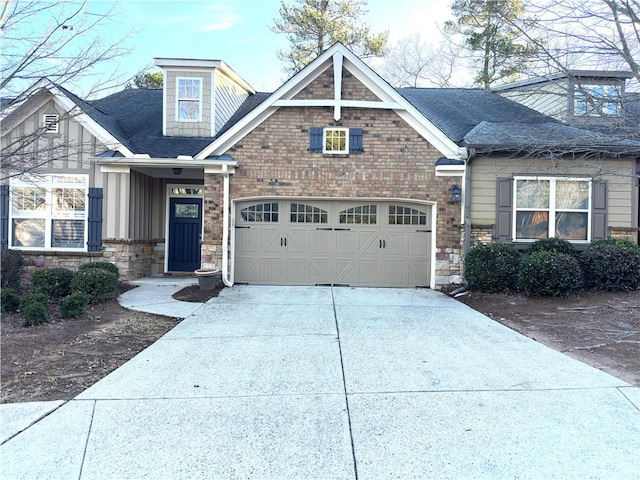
(336, 178)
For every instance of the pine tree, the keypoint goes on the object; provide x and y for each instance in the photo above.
(499, 48)
(314, 25)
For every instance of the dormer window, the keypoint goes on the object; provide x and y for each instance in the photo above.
(50, 122)
(597, 101)
(189, 99)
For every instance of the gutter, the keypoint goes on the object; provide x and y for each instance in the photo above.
(227, 277)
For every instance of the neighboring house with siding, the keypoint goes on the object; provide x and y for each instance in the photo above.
(336, 178)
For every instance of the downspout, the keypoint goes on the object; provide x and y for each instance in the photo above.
(466, 198)
(466, 213)
(227, 280)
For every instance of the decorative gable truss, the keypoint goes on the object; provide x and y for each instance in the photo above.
(338, 57)
(74, 111)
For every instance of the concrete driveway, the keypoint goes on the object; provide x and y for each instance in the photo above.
(339, 383)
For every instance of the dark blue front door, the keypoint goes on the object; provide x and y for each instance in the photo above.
(185, 227)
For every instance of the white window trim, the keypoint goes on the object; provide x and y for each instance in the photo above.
(50, 122)
(584, 93)
(552, 207)
(48, 186)
(324, 141)
(188, 120)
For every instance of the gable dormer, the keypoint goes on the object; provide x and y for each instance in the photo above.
(199, 96)
(579, 97)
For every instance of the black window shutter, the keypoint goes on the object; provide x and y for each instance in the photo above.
(315, 139)
(504, 210)
(4, 217)
(94, 243)
(355, 140)
(598, 210)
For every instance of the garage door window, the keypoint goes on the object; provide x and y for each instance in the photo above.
(302, 213)
(361, 215)
(261, 212)
(399, 215)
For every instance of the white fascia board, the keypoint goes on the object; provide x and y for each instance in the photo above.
(267, 108)
(82, 118)
(342, 103)
(390, 99)
(236, 133)
(124, 165)
(42, 83)
(186, 63)
(450, 170)
(233, 75)
(427, 129)
(146, 161)
(90, 124)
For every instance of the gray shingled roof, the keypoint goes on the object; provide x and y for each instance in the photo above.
(532, 137)
(470, 117)
(134, 117)
(456, 111)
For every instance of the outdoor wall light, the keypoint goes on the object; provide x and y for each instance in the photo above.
(456, 194)
(177, 171)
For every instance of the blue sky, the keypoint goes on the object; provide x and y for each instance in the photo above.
(237, 31)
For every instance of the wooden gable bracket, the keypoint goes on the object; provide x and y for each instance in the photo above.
(337, 84)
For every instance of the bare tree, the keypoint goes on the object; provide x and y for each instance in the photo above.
(54, 39)
(587, 34)
(412, 62)
(60, 41)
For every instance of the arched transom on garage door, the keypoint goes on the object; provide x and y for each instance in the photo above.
(333, 242)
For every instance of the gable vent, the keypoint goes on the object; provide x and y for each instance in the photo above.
(51, 122)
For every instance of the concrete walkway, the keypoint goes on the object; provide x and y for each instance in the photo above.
(339, 383)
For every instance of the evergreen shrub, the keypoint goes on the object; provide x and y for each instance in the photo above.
(98, 284)
(54, 282)
(11, 265)
(74, 305)
(549, 273)
(612, 264)
(492, 268)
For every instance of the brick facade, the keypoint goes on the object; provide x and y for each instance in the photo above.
(397, 163)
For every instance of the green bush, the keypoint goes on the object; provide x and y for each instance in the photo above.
(553, 244)
(74, 305)
(34, 309)
(492, 268)
(549, 273)
(98, 284)
(109, 267)
(11, 264)
(612, 264)
(54, 282)
(33, 298)
(9, 300)
(34, 314)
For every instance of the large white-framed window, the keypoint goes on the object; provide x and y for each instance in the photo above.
(335, 140)
(49, 212)
(552, 207)
(189, 99)
(597, 101)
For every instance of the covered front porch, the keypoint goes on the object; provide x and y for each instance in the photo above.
(155, 214)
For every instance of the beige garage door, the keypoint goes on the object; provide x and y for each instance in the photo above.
(297, 242)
